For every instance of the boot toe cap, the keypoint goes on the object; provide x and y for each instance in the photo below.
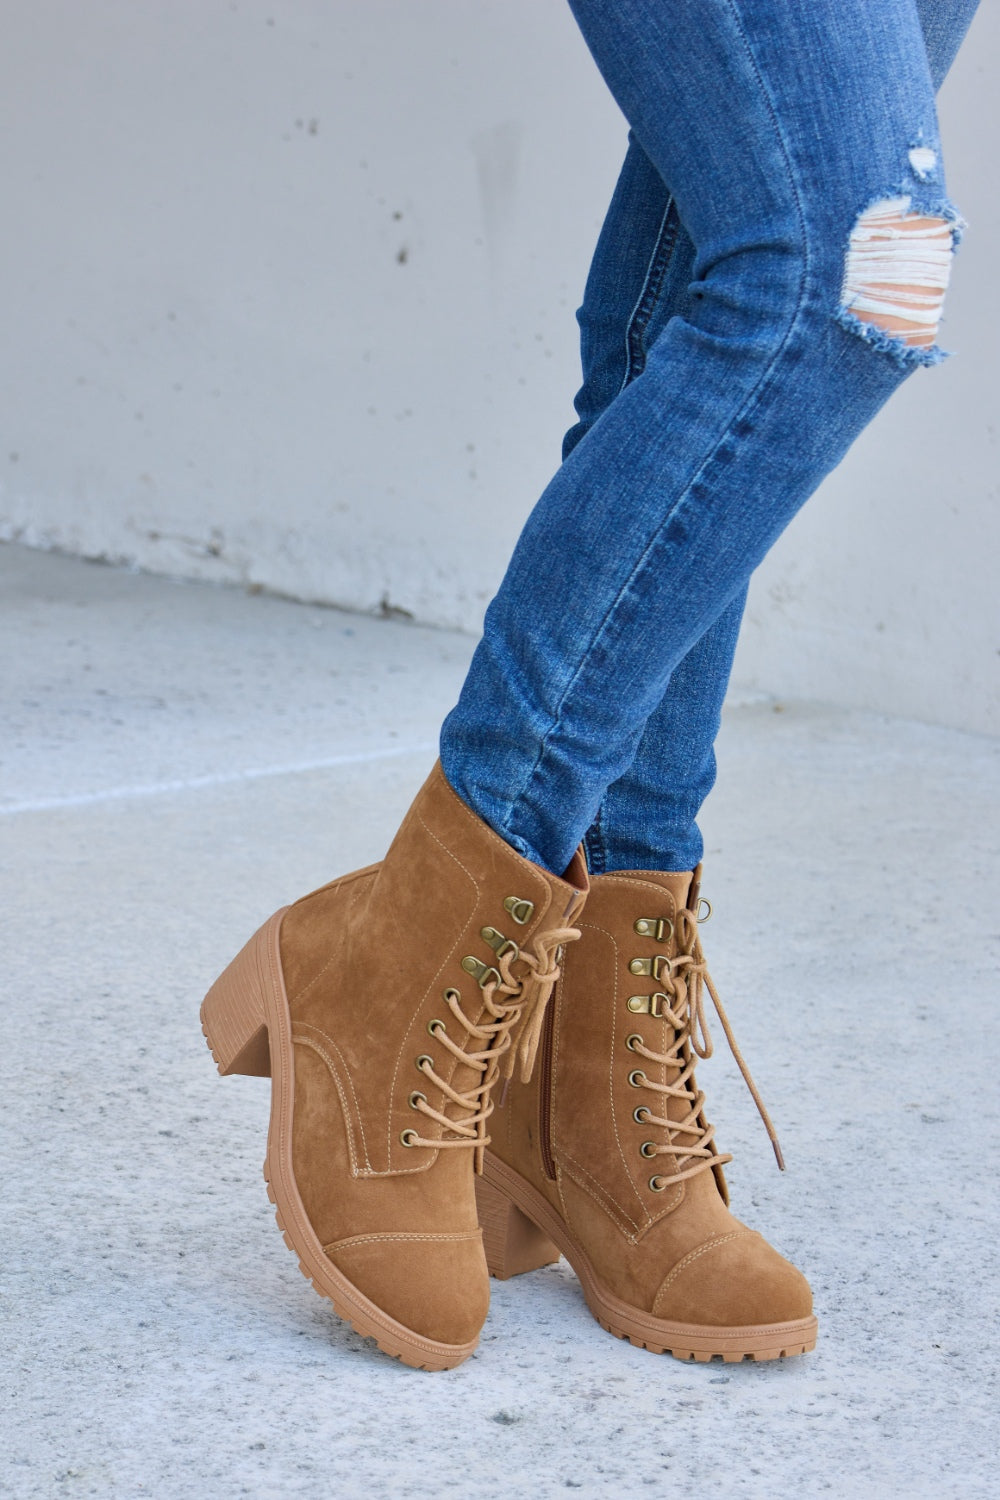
(735, 1280)
(435, 1285)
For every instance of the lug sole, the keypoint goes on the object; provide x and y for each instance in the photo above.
(247, 1024)
(688, 1341)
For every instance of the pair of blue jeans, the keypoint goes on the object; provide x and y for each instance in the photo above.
(723, 379)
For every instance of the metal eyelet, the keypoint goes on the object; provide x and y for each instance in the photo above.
(452, 994)
(648, 1148)
(632, 1041)
(421, 1060)
(408, 1138)
(637, 1078)
(522, 911)
(417, 1098)
(640, 1114)
(657, 1184)
(436, 1027)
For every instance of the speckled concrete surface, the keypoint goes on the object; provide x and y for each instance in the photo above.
(186, 758)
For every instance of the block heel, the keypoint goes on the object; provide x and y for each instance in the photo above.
(234, 1012)
(513, 1244)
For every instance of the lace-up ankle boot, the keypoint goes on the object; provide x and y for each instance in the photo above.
(607, 1157)
(384, 1007)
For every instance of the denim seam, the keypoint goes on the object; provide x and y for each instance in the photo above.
(594, 846)
(635, 362)
(642, 312)
(752, 399)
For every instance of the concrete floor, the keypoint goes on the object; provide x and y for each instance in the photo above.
(177, 761)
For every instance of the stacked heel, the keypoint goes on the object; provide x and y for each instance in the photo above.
(513, 1244)
(234, 1012)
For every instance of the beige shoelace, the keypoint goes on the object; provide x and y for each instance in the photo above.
(513, 1005)
(684, 980)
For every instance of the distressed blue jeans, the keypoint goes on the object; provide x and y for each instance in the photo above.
(725, 374)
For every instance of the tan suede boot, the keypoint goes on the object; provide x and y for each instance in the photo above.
(384, 1006)
(607, 1157)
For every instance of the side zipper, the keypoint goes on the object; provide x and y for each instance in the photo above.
(545, 1087)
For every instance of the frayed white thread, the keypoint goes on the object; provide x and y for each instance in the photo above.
(898, 265)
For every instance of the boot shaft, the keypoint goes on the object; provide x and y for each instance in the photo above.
(381, 966)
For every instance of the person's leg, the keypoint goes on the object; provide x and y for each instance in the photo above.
(654, 523)
(943, 24)
(606, 1155)
(639, 278)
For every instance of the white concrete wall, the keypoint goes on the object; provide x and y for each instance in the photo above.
(297, 284)
(289, 302)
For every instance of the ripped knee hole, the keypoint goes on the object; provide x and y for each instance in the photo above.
(897, 269)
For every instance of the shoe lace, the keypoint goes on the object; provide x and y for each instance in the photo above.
(680, 1001)
(515, 1004)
